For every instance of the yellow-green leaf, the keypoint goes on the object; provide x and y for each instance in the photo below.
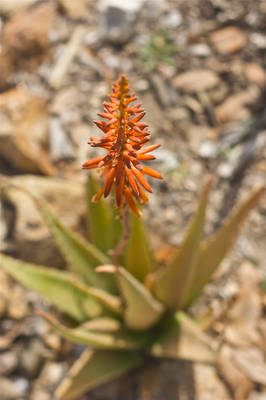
(109, 301)
(99, 218)
(181, 338)
(95, 368)
(98, 340)
(214, 249)
(173, 284)
(102, 324)
(58, 287)
(138, 254)
(141, 309)
(81, 256)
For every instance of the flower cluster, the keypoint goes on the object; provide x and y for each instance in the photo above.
(124, 138)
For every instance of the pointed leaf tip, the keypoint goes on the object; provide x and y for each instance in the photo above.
(214, 249)
(99, 217)
(141, 310)
(173, 284)
(81, 256)
(139, 259)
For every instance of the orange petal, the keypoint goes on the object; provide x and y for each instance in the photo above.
(132, 181)
(151, 172)
(145, 157)
(109, 180)
(97, 196)
(141, 179)
(147, 149)
(131, 202)
(119, 192)
(143, 197)
(93, 163)
(138, 117)
(106, 115)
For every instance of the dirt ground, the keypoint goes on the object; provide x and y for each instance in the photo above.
(199, 68)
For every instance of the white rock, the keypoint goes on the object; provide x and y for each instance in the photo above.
(208, 149)
(174, 19)
(200, 50)
(131, 6)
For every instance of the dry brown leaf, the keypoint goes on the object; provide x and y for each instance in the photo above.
(243, 319)
(24, 131)
(30, 233)
(252, 363)
(238, 382)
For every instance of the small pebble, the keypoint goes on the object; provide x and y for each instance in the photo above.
(208, 150)
(200, 50)
(8, 362)
(22, 385)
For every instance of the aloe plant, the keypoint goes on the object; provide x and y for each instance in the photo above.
(126, 306)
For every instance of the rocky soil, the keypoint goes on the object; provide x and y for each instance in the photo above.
(199, 68)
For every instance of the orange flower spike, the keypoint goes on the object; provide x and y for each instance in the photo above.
(124, 135)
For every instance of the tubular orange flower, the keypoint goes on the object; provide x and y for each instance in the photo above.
(124, 138)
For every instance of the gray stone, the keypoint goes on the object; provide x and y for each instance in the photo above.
(31, 358)
(118, 17)
(61, 147)
(166, 158)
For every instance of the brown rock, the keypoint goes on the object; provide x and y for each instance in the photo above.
(18, 306)
(234, 107)
(196, 80)
(228, 40)
(74, 9)
(25, 37)
(24, 131)
(255, 73)
(4, 291)
(8, 7)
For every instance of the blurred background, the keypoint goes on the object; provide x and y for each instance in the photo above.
(199, 68)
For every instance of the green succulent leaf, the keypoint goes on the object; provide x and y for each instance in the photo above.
(139, 260)
(141, 310)
(214, 249)
(81, 256)
(98, 340)
(99, 218)
(102, 324)
(181, 338)
(58, 287)
(109, 301)
(102, 218)
(95, 368)
(173, 284)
